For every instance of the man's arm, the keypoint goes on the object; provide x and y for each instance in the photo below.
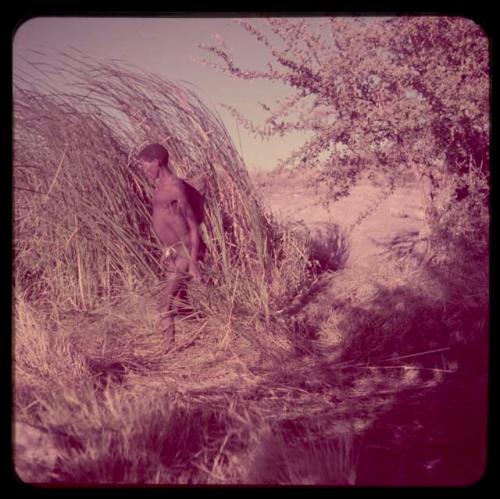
(194, 234)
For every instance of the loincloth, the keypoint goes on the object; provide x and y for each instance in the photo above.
(170, 253)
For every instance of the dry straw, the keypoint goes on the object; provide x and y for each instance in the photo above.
(88, 274)
(82, 220)
(82, 212)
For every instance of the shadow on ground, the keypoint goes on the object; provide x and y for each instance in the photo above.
(430, 437)
(418, 346)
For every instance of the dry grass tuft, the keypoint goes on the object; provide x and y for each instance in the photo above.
(88, 282)
(82, 216)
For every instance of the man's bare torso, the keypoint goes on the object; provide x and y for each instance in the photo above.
(169, 217)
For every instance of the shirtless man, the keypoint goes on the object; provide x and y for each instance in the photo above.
(177, 214)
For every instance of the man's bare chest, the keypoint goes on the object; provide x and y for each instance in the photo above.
(169, 220)
(165, 200)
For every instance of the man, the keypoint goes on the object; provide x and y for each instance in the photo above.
(177, 214)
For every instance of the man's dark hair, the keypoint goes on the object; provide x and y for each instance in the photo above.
(152, 152)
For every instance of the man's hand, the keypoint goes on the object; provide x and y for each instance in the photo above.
(194, 271)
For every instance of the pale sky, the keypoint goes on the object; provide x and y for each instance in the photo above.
(167, 46)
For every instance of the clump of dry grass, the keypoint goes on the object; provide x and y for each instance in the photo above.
(164, 424)
(88, 279)
(82, 215)
(117, 435)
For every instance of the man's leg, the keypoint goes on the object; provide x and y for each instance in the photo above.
(177, 272)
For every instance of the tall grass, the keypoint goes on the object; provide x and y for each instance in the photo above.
(82, 210)
(84, 250)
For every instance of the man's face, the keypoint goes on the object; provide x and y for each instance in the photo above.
(151, 169)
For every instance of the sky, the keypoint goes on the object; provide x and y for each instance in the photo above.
(169, 47)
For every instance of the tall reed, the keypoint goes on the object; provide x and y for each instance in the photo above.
(82, 209)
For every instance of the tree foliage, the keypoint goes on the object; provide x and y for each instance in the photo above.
(377, 95)
(383, 97)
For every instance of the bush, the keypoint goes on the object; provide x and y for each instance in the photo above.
(459, 223)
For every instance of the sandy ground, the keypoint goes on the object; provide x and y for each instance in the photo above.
(396, 218)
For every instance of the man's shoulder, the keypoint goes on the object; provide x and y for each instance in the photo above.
(180, 188)
(176, 186)
(184, 186)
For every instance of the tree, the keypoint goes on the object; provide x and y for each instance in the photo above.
(382, 96)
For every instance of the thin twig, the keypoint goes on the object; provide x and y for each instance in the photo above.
(364, 364)
(57, 172)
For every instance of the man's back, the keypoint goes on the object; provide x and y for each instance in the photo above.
(197, 201)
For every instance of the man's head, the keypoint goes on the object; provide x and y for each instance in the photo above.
(152, 158)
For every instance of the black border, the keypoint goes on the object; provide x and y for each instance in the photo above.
(15, 16)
